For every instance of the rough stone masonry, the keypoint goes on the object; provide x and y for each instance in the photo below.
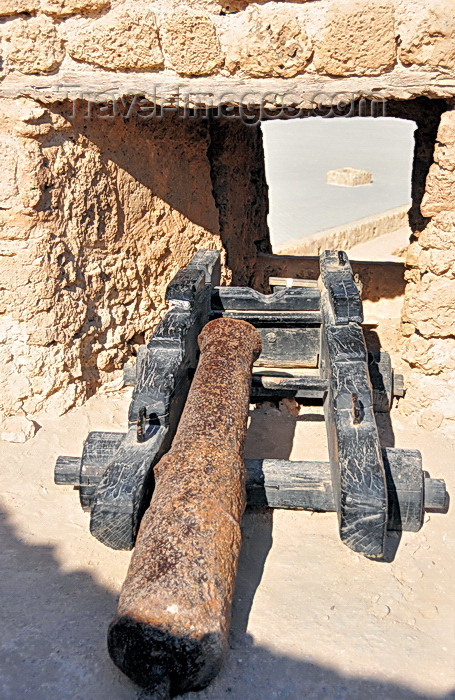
(99, 207)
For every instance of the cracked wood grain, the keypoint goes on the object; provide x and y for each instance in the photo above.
(358, 475)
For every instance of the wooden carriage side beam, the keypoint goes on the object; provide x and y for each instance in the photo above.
(162, 385)
(358, 475)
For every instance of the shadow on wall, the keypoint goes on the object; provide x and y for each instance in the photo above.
(380, 280)
(427, 114)
(125, 204)
(211, 172)
(54, 638)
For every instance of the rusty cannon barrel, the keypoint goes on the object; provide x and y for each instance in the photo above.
(170, 630)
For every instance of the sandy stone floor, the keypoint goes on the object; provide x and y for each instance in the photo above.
(390, 246)
(311, 619)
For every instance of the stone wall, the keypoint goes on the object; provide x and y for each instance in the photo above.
(429, 309)
(94, 222)
(212, 46)
(347, 236)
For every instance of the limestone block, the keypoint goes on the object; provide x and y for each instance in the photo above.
(439, 262)
(430, 306)
(190, 42)
(217, 6)
(446, 128)
(62, 8)
(348, 177)
(33, 45)
(439, 190)
(268, 41)
(440, 232)
(412, 275)
(17, 429)
(412, 254)
(221, 6)
(358, 39)
(430, 355)
(15, 7)
(430, 400)
(429, 419)
(427, 33)
(438, 195)
(444, 154)
(126, 38)
(21, 174)
(9, 189)
(224, 6)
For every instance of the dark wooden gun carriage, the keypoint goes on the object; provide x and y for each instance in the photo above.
(309, 324)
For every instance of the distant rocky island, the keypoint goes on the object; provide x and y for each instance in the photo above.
(348, 177)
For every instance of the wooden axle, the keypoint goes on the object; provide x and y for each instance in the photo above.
(277, 483)
(296, 485)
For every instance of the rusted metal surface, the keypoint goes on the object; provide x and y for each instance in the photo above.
(171, 627)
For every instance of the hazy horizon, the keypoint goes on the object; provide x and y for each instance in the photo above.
(298, 154)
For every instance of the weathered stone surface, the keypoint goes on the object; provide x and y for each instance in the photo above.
(17, 429)
(15, 7)
(8, 173)
(100, 215)
(243, 201)
(427, 33)
(430, 419)
(358, 39)
(62, 8)
(348, 177)
(120, 223)
(430, 397)
(430, 355)
(430, 306)
(126, 38)
(412, 254)
(33, 45)
(439, 262)
(268, 41)
(434, 251)
(431, 391)
(190, 42)
(217, 6)
(444, 153)
(440, 232)
(438, 193)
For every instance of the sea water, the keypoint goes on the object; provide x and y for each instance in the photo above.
(298, 154)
